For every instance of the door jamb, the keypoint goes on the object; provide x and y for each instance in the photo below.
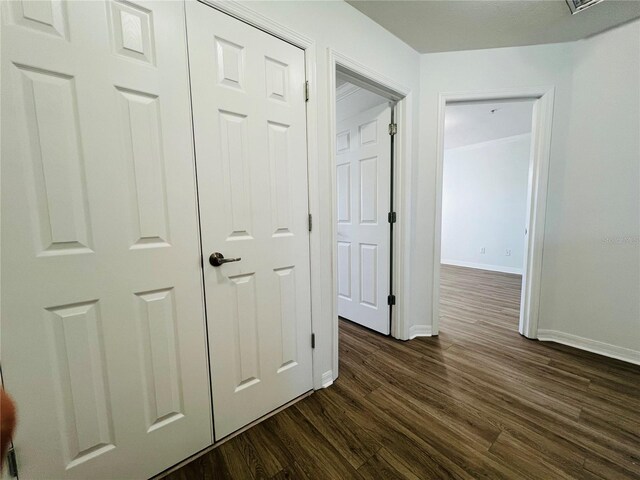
(249, 16)
(363, 75)
(537, 196)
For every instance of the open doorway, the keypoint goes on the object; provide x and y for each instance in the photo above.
(537, 184)
(364, 189)
(485, 187)
(392, 207)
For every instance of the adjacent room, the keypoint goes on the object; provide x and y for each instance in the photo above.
(485, 212)
(320, 239)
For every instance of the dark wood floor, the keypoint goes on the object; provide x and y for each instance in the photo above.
(479, 401)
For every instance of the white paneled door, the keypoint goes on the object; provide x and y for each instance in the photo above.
(363, 183)
(103, 332)
(250, 137)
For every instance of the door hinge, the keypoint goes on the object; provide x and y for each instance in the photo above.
(306, 91)
(392, 217)
(12, 464)
(393, 129)
(310, 222)
(313, 340)
(391, 300)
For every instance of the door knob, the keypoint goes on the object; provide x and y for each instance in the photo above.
(216, 259)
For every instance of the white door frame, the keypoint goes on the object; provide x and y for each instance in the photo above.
(364, 76)
(249, 16)
(538, 179)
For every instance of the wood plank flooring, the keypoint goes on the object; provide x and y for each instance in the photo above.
(479, 401)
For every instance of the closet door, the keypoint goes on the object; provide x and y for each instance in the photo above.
(250, 137)
(103, 333)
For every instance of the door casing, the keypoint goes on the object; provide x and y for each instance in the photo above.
(536, 196)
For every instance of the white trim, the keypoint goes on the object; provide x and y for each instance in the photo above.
(402, 242)
(419, 331)
(247, 15)
(536, 201)
(363, 76)
(482, 266)
(327, 379)
(594, 346)
(495, 141)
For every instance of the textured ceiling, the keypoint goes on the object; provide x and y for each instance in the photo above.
(448, 25)
(469, 123)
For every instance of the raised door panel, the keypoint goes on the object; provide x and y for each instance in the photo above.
(132, 31)
(142, 138)
(57, 183)
(160, 361)
(230, 62)
(44, 16)
(344, 192)
(368, 133)
(343, 142)
(368, 275)
(286, 288)
(244, 319)
(368, 190)
(280, 168)
(277, 80)
(235, 174)
(82, 395)
(344, 270)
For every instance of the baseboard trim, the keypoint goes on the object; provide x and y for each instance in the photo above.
(482, 266)
(419, 331)
(594, 346)
(327, 379)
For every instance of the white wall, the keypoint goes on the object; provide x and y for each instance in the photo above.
(341, 27)
(471, 71)
(591, 264)
(484, 196)
(591, 259)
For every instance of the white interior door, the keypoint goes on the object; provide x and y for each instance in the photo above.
(103, 333)
(251, 156)
(363, 183)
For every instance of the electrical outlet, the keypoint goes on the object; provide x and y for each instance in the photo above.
(508, 253)
(482, 250)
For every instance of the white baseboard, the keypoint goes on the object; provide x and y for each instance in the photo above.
(327, 379)
(594, 346)
(419, 331)
(483, 266)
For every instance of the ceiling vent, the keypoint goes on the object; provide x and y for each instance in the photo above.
(577, 6)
